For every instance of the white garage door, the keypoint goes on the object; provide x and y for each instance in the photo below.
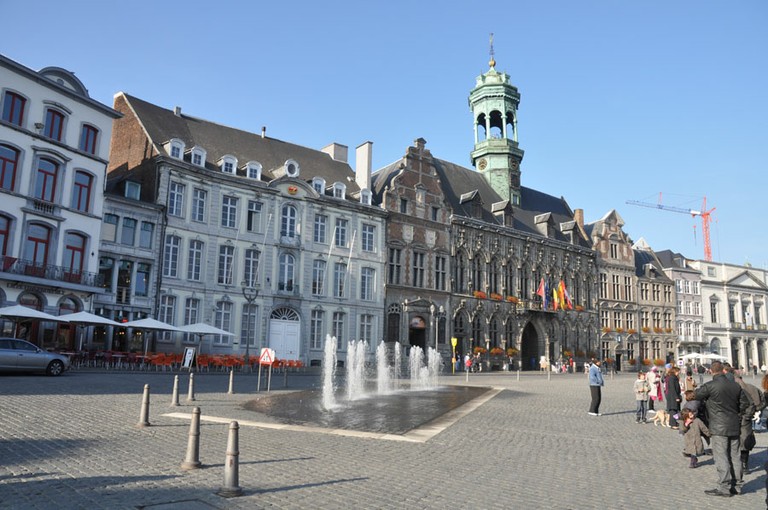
(284, 333)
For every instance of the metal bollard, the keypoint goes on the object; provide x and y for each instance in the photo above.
(231, 488)
(518, 374)
(191, 393)
(175, 396)
(192, 461)
(231, 382)
(144, 416)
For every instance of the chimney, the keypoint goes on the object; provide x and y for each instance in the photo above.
(578, 215)
(177, 111)
(263, 131)
(336, 151)
(363, 158)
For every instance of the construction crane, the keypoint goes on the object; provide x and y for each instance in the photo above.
(704, 213)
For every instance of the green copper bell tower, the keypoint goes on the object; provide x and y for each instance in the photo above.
(496, 155)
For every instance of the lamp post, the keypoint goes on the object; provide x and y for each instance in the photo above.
(250, 293)
(432, 312)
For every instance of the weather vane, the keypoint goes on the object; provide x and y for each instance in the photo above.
(492, 62)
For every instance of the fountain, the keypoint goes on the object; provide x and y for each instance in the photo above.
(383, 375)
(329, 372)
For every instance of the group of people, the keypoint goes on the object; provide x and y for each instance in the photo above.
(720, 412)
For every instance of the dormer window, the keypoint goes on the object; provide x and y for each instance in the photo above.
(339, 190)
(176, 148)
(228, 164)
(291, 168)
(132, 190)
(318, 184)
(253, 170)
(365, 197)
(198, 155)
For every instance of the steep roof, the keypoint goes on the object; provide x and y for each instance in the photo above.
(218, 140)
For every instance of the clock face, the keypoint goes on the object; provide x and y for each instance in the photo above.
(482, 164)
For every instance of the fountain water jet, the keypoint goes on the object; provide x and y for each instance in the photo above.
(383, 376)
(356, 369)
(329, 372)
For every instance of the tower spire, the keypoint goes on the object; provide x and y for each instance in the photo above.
(492, 62)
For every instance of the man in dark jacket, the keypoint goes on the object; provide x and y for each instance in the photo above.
(726, 403)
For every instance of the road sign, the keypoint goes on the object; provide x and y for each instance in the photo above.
(267, 356)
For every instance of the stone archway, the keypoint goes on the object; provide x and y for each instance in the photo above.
(529, 348)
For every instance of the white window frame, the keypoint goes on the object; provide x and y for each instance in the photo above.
(253, 170)
(228, 164)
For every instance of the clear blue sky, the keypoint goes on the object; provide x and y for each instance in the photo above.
(620, 99)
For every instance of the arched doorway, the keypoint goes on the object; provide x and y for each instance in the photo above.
(284, 333)
(417, 332)
(529, 348)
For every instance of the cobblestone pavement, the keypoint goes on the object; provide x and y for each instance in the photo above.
(72, 443)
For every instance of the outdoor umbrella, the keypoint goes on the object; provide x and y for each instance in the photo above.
(88, 319)
(201, 328)
(17, 312)
(713, 356)
(149, 324)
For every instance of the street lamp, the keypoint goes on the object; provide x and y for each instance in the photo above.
(250, 293)
(432, 311)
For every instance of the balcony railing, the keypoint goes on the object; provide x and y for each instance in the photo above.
(12, 265)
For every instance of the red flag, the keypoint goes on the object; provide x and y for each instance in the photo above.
(540, 290)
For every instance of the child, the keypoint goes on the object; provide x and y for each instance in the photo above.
(693, 429)
(642, 388)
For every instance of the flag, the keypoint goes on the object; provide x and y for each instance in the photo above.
(568, 301)
(561, 294)
(545, 297)
(555, 303)
(540, 290)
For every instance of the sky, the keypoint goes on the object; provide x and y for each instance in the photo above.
(620, 100)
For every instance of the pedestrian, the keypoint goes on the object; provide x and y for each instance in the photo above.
(672, 395)
(654, 380)
(701, 370)
(693, 430)
(467, 362)
(595, 387)
(726, 402)
(747, 435)
(688, 382)
(642, 388)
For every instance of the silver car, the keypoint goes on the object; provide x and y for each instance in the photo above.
(21, 356)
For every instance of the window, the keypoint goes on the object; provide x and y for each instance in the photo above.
(288, 221)
(229, 212)
(339, 278)
(630, 320)
(614, 251)
(366, 197)
(441, 263)
(687, 287)
(695, 288)
(644, 319)
(199, 197)
(285, 278)
(9, 161)
(248, 325)
(74, 253)
(394, 266)
(337, 329)
(191, 316)
(667, 293)
(656, 292)
(321, 227)
(697, 308)
(713, 311)
(369, 238)
(146, 234)
(198, 156)
(226, 260)
(222, 319)
(13, 108)
(254, 216)
(177, 149)
(711, 272)
(195, 260)
(128, 233)
(617, 320)
(228, 164)
(603, 286)
(132, 190)
(316, 329)
(435, 212)
(656, 319)
(339, 190)
(319, 185)
(5, 231)
(367, 283)
(109, 227)
(418, 269)
(679, 286)
(251, 269)
(37, 244)
(54, 124)
(142, 279)
(731, 312)
(253, 171)
(47, 177)
(318, 278)
(340, 238)
(644, 291)
(88, 138)
(615, 287)
(403, 206)
(366, 328)
(605, 316)
(167, 314)
(81, 191)
(628, 288)
(176, 199)
(171, 256)
(106, 270)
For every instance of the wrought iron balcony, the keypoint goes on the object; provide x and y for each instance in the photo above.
(12, 265)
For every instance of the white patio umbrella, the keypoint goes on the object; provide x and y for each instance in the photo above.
(16, 312)
(713, 356)
(149, 324)
(691, 355)
(88, 319)
(201, 328)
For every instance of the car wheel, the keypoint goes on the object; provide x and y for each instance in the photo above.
(55, 367)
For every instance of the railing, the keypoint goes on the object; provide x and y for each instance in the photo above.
(288, 289)
(44, 207)
(13, 265)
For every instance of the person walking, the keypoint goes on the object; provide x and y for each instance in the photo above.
(747, 435)
(654, 380)
(672, 395)
(595, 387)
(726, 402)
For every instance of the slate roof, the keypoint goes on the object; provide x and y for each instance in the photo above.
(218, 140)
(643, 257)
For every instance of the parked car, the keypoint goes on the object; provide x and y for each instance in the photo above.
(21, 356)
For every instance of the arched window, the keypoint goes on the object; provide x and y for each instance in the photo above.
(285, 278)
(460, 273)
(54, 124)
(478, 330)
(88, 138)
(37, 244)
(13, 108)
(493, 331)
(74, 253)
(493, 276)
(478, 272)
(5, 235)
(288, 221)
(47, 178)
(9, 161)
(81, 191)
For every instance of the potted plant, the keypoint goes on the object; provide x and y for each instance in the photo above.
(495, 296)
(646, 362)
(479, 294)
(632, 361)
(497, 351)
(512, 299)
(511, 351)
(657, 329)
(645, 329)
(619, 330)
(658, 362)
(479, 350)
(606, 329)
(631, 331)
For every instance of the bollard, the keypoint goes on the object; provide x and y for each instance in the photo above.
(191, 394)
(231, 488)
(193, 443)
(285, 377)
(144, 416)
(175, 396)
(231, 382)
(518, 374)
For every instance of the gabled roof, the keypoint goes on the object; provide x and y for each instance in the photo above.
(747, 279)
(162, 125)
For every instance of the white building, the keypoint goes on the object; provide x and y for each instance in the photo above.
(54, 147)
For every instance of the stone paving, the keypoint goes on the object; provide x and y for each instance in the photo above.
(72, 443)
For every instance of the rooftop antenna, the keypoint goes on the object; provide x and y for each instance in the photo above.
(492, 62)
